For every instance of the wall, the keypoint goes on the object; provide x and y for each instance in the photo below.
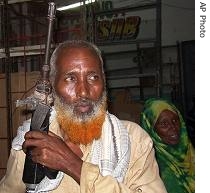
(178, 21)
(177, 26)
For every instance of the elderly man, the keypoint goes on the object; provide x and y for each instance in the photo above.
(93, 150)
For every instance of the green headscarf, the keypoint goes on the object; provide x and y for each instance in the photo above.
(176, 162)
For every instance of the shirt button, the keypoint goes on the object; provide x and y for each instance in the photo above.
(139, 189)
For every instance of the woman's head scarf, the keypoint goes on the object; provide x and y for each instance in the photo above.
(176, 162)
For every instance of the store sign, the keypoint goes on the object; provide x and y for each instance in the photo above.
(117, 28)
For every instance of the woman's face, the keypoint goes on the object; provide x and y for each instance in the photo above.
(168, 127)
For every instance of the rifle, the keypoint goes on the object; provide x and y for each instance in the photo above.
(40, 103)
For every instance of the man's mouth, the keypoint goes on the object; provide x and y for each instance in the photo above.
(83, 108)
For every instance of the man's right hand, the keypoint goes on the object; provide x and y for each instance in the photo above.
(51, 151)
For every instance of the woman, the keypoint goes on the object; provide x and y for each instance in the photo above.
(174, 151)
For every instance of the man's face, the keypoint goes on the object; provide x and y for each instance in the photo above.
(168, 127)
(79, 79)
(80, 95)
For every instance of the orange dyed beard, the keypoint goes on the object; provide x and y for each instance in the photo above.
(81, 132)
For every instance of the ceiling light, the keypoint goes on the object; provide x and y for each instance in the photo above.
(71, 6)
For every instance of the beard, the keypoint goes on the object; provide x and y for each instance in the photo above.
(81, 127)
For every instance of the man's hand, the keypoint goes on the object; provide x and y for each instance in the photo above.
(51, 151)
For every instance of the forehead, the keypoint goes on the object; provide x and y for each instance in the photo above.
(167, 114)
(83, 57)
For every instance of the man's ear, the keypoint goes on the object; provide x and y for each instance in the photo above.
(104, 77)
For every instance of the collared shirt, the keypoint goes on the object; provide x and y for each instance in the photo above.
(142, 174)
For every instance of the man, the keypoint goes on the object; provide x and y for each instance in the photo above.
(93, 151)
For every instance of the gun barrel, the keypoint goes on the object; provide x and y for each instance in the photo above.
(51, 18)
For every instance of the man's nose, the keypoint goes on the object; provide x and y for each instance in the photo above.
(83, 89)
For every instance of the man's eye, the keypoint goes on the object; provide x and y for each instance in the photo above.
(70, 79)
(93, 77)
